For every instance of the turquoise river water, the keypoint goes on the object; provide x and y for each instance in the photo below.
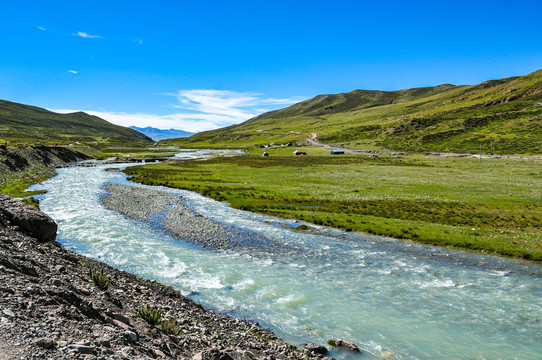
(394, 299)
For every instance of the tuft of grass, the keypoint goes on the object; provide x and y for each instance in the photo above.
(150, 314)
(170, 326)
(98, 278)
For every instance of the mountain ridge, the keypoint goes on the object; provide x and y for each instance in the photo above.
(504, 115)
(161, 134)
(20, 123)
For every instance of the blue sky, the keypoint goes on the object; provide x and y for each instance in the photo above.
(198, 65)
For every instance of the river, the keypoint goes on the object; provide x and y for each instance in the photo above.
(394, 299)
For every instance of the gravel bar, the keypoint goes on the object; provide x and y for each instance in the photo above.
(168, 212)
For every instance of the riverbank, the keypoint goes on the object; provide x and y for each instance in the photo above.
(487, 207)
(51, 307)
(167, 212)
(372, 291)
(21, 167)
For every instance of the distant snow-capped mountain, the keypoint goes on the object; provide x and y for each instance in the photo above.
(159, 134)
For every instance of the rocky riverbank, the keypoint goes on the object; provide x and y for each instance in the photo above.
(50, 308)
(20, 159)
(34, 163)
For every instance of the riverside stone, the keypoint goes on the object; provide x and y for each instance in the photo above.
(83, 349)
(130, 335)
(346, 345)
(316, 349)
(31, 220)
(8, 313)
(45, 343)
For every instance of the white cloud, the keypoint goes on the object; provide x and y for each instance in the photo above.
(87, 36)
(72, 71)
(187, 122)
(239, 106)
(41, 28)
(201, 110)
(139, 41)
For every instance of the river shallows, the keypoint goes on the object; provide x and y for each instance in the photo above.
(391, 298)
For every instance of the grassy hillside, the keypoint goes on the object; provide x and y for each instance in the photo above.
(24, 124)
(504, 116)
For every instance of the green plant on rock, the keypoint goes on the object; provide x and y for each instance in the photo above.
(98, 278)
(150, 314)
(170, 326)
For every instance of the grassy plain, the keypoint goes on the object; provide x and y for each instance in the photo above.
(490, 206)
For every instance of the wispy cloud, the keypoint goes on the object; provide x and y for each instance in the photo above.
(199, 110)
(139, 41)
(192, 123)
(72, 71)
(238, 106)
(87, 36)
(41, 28)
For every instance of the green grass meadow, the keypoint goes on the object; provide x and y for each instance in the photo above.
(492, 206)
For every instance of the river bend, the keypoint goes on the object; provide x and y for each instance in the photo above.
(394, 299)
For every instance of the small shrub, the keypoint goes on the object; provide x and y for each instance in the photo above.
(331, 342)
(170, 326)
(98, 277)
(149, 314)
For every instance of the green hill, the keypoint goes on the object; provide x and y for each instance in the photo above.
(25, 124)
(504, 116)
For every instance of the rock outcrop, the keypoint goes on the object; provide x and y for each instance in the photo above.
(33, 222)
(18, 161)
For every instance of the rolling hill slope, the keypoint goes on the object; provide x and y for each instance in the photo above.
(504, 116)
(29, 124)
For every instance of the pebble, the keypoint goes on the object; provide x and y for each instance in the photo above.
(103, 342)
(83, 349)
(130, 335)
(8, 313)
(45, 343)
(107, 352)
(127, 351)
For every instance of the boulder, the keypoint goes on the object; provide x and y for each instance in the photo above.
(316, 349)
(340, 343)
(29, 219)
